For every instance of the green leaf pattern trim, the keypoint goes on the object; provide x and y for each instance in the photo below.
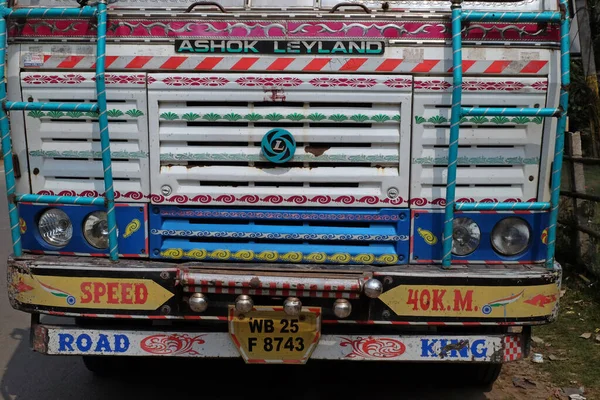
(276, 117)
(87, 154)
(481, 160)
(480, 120)
(113, 113)
(297, 157)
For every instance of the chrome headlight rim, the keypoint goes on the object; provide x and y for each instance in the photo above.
(66, 228)
(470, 224)
(91, 221)
(524, 248)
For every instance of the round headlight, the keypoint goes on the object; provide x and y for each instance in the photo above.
(55, 227)
(95, 229)
(511, 236)
(465, 236)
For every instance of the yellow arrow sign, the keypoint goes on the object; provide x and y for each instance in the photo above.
(472, 301)
(84, 292)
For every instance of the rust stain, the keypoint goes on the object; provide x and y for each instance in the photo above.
(316, 150)
(255, 283)
(453, 346)
(274, 95)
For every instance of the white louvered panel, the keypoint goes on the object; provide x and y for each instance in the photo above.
(206, 141)
(173, 131)
(64, 148)
(498, 157)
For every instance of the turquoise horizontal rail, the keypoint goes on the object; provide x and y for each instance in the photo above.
(481, 16)
(532, 206)
(44, 198)
(50, 12)
(23, 105)
(509, 112)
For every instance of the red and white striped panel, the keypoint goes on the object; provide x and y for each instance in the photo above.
(272, 292)
(513, 349)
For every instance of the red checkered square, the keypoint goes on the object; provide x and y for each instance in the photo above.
(512, 348)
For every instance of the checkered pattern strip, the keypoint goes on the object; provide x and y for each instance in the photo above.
(513, 350)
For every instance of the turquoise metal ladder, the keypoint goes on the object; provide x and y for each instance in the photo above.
(108, 200)
(457, 112)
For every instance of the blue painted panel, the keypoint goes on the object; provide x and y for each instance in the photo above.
(281, 235)
(428, 225)
(131, 224)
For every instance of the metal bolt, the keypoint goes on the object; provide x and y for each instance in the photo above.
(165, 309)
(164, 275)
(166, 190)
(388, 280)
(393, 192)
(386, 314)
(400, 257)
(36, 171)
(155, 210)
(402, 216)
(156, 252)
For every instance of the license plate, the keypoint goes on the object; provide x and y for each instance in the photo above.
(268, 335)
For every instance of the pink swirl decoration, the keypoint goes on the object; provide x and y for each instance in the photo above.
(202, 198)
(178, 198)
(512, 200)
(157, 198)
(226, 198)
(297, 199)
(374, 348)
(439, 202)
(250, 198)
(68, 193)
(345, 199)
(134, 195)
(418, 201)
(465, 200)
(531, 200)
(321, 199)
(275, 199)
(89, 193)
(171, 345)
(489, 200)
(45, 193)
(368, 200)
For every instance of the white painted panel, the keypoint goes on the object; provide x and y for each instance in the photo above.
(498, 157)
(64, 147)
(206, 141)
(434, 348)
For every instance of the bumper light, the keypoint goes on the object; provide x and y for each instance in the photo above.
(244, 304)
(198, 302)
(373, 288)
(292, 306)
(55, 227)
(342, 308)
(95, 230)
(465, 236)
(511, 236)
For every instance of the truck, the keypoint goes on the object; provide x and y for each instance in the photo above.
(357, 181)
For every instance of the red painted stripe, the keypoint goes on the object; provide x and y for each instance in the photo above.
(236, 341)
(425, 66)
(173, 62)
(466, 64)
(47, 57)
(138, 62)
(108, 60)
(244, 64)
(70, 62)
(256, 361)
(533, 67)
(497, 67)
(317, 64)
(208, 63)
(123, 316)
(389, 65)
(353, 64)
(280, 64)
(436, 323)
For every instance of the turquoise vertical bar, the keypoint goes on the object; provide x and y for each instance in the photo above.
(454, 130)
(9, 173)
(109, 192)
(565, 80)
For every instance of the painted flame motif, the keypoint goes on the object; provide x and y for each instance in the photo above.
(427, 236)
(545, 236)
(374, 348)
(22, 225)
(174, 344)
(132, 227)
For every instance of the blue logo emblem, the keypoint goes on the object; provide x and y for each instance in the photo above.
(278, 146)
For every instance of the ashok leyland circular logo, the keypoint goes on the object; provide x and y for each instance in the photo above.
(278, 146)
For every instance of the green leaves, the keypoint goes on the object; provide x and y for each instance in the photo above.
(274, 117)
(338, 117)
(232, 117)
(169, 116)
(190, 116)
(295, 117)
(437, 119)
(253, 117)
(134, 113)
(36, 114)
(419, 119)
(211, 117)
(380, 118)
(55, 114)
(500, 119)
(74, 114)
(316, 117)
(115, 113)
